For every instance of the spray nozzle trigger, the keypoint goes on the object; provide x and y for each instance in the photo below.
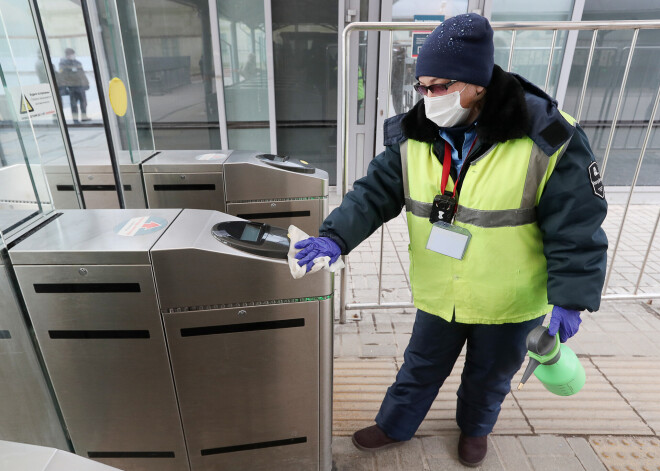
(543, 349)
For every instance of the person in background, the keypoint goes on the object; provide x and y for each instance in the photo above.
(504, 203)
(72, 76)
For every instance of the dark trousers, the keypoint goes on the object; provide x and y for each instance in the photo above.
(494, 354)
(77, 94)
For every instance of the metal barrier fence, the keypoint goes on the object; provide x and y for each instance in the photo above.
(555, 27)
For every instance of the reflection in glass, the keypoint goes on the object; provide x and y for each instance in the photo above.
(361, 76)
(68, 45)
(532, 48)
(69, 50)
(178, 60)
(245, 73)
(114, 61)
(402, 70)
(531, 55)
(30, 135)
(305, 57)
(602, 93)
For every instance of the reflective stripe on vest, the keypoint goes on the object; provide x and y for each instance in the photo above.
(525, 214)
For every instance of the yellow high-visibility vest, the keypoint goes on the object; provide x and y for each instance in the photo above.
(503, 275)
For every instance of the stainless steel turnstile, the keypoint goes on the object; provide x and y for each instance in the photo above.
(273, 189)
(185, 179)
(268, 188)
(249, 347)
(87, 281)
(97, 181)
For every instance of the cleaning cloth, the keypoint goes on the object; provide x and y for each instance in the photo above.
(296, 235)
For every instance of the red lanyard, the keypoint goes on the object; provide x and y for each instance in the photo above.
(446, 166)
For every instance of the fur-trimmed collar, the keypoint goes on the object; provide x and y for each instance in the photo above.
(503, 117)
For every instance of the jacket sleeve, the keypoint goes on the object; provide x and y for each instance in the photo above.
(570, 215)
(374, 200)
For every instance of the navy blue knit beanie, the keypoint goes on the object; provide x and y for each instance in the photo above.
(461, 49)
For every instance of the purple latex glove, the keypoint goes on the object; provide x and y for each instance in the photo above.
(316, 247)
(566, 321)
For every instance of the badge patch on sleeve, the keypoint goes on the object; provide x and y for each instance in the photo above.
(596, 180)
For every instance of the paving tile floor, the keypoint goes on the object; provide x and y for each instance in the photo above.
(537, 430)
(619, 347)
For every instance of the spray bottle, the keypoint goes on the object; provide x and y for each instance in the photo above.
(553, 363)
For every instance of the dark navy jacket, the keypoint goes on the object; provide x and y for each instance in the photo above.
(571, 209)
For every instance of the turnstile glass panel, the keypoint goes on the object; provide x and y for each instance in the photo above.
(28, 107)
(245, 78)
(248, 386)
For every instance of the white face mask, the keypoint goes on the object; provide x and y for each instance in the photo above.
(446, 110)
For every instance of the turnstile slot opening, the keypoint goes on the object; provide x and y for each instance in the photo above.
(130, 454)
(5, 334)
(186, 187)
(280, 214)
(99, 334)
(93, 187)
(247, 327)
(52, 288)
(253, 446)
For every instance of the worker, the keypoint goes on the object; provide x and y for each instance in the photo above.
(360, 91)
(504, 204)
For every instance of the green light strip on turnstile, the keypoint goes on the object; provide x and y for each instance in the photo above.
(210, 307)
(306, 198)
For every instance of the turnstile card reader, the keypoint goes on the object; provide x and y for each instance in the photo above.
(251, 348)
(88, 285)
(253, 237)
(286, 163)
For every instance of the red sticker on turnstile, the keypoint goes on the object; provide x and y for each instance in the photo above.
(141, 226)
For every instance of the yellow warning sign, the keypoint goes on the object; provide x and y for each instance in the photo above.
(32, 102)
(26, 107)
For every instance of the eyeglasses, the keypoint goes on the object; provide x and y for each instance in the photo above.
(435, 89)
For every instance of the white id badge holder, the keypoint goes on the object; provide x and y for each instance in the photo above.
(449, 240)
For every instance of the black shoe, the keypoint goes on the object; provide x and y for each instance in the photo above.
(372, 439)
(472, 450)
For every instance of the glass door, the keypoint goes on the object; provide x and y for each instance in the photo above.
(398, 56)
(362, 88)
(246, 55)
(31, 129)
(101, 82)
(532, 49)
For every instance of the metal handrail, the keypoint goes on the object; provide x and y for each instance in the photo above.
(554, 26)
